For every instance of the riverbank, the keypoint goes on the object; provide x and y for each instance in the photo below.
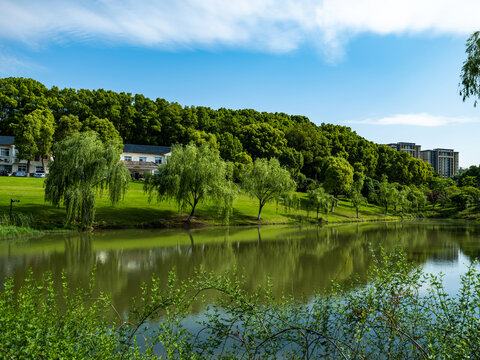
(137, 212)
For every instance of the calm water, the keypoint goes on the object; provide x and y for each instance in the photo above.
(299, 260)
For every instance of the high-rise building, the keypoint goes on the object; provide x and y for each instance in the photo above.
(443, 161)
(410, 148)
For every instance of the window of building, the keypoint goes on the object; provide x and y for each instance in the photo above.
(4, 152)
(38, 168)
(142, 158)
(158, 160)
(127, 158)
(22, 168)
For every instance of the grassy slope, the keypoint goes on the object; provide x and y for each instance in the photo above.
(136, 211)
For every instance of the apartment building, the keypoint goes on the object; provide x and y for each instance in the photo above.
(411, 148)
(443, 161)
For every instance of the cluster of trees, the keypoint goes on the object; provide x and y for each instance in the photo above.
(85, 165)
(240, 136)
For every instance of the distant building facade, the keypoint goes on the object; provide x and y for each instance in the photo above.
(443, 161)
(10, 163)
(411, 148)
(141, 159)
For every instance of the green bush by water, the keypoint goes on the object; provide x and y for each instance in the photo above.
(401, 314)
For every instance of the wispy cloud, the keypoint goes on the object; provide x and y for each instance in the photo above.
(420, 119)
(266, 25)
(11, 64)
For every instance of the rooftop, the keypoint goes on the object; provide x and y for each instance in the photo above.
(146, 149)
(7, 140)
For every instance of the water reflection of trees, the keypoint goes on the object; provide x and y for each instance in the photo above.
(298, 260)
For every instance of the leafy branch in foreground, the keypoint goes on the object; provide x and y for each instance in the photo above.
(401, 313)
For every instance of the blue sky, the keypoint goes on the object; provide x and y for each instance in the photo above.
(388, 69)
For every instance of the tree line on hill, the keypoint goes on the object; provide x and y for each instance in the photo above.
(326, 161)
(39, 116)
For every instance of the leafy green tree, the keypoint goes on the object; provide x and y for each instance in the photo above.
(319, 199)
(34, 135)
(193, 174)
(338, 176)
(263, 140)
(403, 201)
(355, 193)
(266, 180)
(386, 194)
(67, 125)
(105, 129)
(83, 167)
(292, 160)
(417, 197)
(470, 74)
(230, 146)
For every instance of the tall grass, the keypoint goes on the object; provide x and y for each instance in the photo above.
(16, 225)
(17, 219)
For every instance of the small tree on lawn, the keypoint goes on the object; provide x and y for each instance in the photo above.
(83, 167)
(193, 174)
(319, 199)
(266, 180)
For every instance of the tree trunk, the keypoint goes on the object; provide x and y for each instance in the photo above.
(28, 168)
(386, 210)
(189, 220)
(260, 210)
(317, 211)
(357, 213)
(333, 206)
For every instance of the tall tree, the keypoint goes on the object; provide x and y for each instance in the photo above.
(67, 125)
(83, 167)
(266, 180)
(104, 128)
(193, 174)
(34, 135)
(338, 176)
(355, 193)
(386, 193)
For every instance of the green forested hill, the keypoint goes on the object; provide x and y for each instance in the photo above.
(240, 135)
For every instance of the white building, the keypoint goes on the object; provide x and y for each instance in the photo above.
(141, 159)
(10, 163)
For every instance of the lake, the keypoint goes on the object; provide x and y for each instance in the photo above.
(300, 260)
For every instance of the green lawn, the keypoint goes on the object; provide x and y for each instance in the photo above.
(136, 211)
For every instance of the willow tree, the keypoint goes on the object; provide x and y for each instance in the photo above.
(319, 199)
(84, 167)
(267, 180)
(193, 174)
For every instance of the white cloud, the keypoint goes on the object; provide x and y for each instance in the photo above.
(266, 25)
(420, 119)
(11, 64)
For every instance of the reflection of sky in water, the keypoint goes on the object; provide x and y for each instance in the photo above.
(448, 270)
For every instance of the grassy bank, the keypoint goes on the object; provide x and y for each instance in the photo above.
(10, 231)
(136, 211)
